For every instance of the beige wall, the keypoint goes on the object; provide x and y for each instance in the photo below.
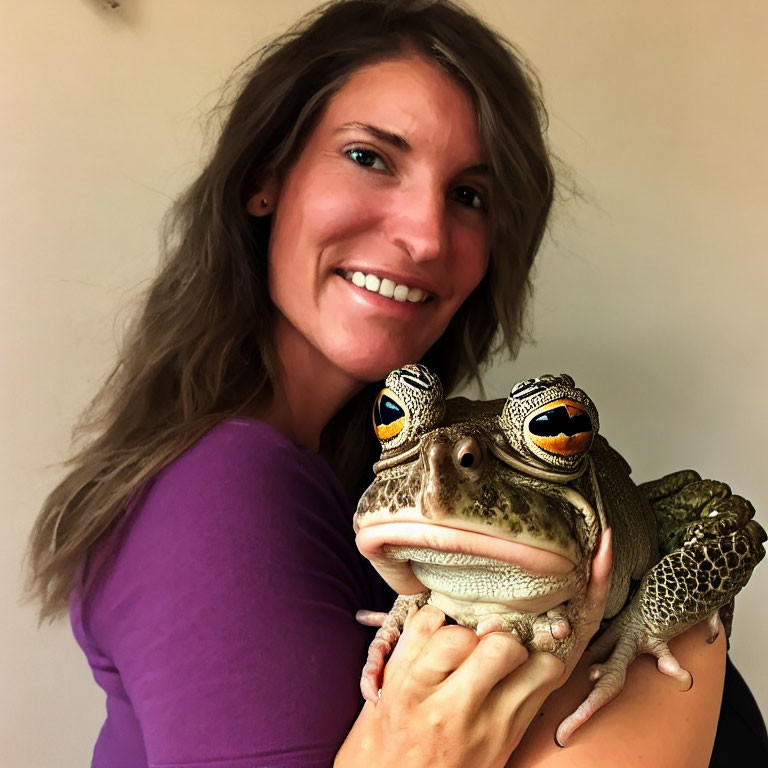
(651, 291)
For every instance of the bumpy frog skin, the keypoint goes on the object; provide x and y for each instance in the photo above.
(492, 512)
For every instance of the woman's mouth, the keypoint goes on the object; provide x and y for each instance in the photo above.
(385, 287)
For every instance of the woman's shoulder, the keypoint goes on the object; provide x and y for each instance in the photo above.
(243, 448)
(241, 488)
(236, 508)
(240, 464)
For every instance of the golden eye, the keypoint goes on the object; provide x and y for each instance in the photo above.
(389, 415)
(562, 427)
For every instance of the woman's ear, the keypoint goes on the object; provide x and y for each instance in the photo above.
(263, 200)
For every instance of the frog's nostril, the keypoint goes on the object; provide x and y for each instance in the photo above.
(468, 453)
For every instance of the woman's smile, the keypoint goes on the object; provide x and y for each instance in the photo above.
(389, 287)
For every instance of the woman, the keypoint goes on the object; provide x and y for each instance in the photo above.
(204, 547)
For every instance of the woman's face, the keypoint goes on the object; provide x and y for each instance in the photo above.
(381, 227)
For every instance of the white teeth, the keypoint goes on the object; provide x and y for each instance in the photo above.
(401, 292)
(386, 287)
(372, 283)
(358, 278)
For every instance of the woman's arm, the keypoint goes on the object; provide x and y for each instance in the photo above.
(225, 619)
(651, 723)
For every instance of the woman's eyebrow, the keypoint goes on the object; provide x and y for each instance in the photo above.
(391, 138)
(396, 140)
(479, 169)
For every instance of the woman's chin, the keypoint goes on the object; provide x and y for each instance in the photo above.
(375, 367)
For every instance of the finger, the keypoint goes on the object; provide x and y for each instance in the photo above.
(599, 585)
(589, 612)
(419, 626)
(600, 578)
(497, 655)
(520, 695)
(442, 655)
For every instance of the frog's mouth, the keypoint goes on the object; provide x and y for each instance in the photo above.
(390, 546)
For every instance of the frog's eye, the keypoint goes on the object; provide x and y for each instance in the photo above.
(550, 420)
(410, 404)
(562, 428)
(389, 415)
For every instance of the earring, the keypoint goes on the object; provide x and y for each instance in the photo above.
(259, 206)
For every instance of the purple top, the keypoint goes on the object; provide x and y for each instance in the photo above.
(220, 621)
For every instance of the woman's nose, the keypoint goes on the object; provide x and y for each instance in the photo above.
(418, 225)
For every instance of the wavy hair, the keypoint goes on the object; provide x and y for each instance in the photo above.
(200, 350)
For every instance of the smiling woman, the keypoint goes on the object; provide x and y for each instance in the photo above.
(376, 197)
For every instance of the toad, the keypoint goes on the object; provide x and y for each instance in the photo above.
(492, 512)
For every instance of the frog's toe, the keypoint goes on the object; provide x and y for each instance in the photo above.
(559, 624)
(714, 625)
(550, 629)
(374, 666)
(670, 666)
(378, 650)
(610, 681)
(371, 618)
(369, 683)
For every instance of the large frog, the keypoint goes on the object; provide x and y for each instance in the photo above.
(492, 512)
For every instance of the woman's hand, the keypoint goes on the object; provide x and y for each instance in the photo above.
(450, 698)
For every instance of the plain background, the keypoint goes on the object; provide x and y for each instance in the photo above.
(650, 290)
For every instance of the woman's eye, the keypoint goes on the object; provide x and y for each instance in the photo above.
(469, 197)
(367, 158)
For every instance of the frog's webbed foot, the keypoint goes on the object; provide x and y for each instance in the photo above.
(624, 641)
(390, 625)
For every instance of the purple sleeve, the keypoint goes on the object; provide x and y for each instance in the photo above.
(228, 609)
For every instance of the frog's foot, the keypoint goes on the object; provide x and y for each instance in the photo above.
(666, 662)
(625, 643)
(538, 633)
(385, 640)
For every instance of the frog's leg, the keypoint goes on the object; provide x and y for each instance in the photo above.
(679, 499)
(714, 560)
(385, 639)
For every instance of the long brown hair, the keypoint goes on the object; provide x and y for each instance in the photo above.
(200, 349)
